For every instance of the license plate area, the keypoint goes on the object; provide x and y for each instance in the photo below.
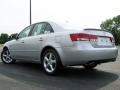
(103, 41)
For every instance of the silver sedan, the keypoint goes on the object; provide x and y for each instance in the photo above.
(55, 45)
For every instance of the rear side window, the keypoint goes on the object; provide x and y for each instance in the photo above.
(41, 28)
(48, 29)
(38, 29)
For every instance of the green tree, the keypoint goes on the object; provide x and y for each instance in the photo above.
(114, 26)
(3, 38)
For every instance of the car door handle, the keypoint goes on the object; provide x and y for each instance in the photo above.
(41, 39)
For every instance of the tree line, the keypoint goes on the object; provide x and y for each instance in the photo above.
(113, 25)
(4, 38)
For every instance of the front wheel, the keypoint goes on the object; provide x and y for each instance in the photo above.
(6, 57)
(51, 62)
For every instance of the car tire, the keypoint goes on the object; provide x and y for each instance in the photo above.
(6, 57)
(89, 66)
(51, 62)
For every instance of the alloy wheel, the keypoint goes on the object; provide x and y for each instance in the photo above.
(49, 62)
(6, 57)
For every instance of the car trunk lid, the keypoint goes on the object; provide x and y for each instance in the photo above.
(104, 38)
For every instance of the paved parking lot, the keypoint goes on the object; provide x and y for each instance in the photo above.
(29, 76)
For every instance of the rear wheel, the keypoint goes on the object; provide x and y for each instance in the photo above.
(51, 62)
(6, 57)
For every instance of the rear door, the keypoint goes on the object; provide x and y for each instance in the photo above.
(35, 42)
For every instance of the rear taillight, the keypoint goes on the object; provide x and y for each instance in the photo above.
(82, 37)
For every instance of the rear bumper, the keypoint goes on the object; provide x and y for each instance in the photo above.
(75, 56)
(103, 61)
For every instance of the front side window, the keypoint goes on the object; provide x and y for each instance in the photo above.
(25, 32)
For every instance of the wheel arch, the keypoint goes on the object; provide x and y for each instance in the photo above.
(5, 47)
(49, 47)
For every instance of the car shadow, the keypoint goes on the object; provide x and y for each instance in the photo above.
(72, 78)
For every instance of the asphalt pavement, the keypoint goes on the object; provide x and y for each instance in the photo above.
(29, 76)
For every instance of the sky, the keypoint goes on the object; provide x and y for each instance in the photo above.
(14, 14)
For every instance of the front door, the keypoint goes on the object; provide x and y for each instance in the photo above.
(18, 48)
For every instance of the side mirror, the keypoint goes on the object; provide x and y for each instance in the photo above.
(13, 36)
